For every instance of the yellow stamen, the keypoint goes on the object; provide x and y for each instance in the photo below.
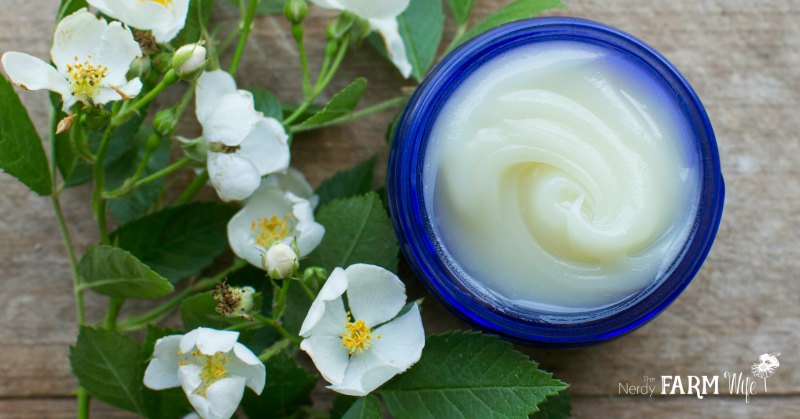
(212, 367)
(270, 230)
(85, 78)
(164, 3)
(359, 337)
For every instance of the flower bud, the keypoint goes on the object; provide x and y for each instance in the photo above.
(194, 148)
(280, 261)
(138, 68)
(165, 121)
(341, 26)
(234, 301)
(295, 10)
(189, 61)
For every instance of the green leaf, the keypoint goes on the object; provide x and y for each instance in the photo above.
(368, 407)
(297, 305)
(178, 242)
(115, 272)
(140, 201)
(68, 7)
(288, 388)
(198, 16)
(357, 230)
(340, 104)
(356, 180)
(469, 374)
(109, 366)
(266, 103)
(421, 27)
(461, 10)
(162, 404)
(519, 9)
(555, 407)
(341, 404)
(21, 152)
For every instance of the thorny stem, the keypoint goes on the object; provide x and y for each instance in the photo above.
(276, 325)
(179, 164)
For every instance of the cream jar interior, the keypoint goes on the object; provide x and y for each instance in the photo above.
(559, 177)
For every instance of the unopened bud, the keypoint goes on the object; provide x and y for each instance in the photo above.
(153, 141)
(165, 121)
(314, 275)
(139, 67)
(189, 61)
(234, 301)
(339, 28)
(280, 261)
(295, 10)
(194, 148)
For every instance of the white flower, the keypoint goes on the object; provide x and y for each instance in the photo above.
(280, 211)
(211, 367)
(243, 145)
(280, 261)
(189, 60)
(360, 349)
(91, 59)
(165, 18)
(382, 17)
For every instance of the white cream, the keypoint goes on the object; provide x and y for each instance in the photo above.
(559, 177)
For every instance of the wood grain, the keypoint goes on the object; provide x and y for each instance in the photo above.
(742, 57)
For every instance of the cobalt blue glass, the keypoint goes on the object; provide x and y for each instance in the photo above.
(435, 268)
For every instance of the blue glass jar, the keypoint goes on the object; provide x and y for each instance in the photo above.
(437, 269)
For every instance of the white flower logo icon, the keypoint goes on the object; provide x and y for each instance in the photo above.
(766, 366)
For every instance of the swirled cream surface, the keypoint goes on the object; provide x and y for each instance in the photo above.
(560, 177)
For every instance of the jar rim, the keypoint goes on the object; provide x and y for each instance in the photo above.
(434, 267)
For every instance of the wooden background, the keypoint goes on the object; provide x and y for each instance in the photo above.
(742, 57)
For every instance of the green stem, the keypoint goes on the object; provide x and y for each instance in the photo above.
(114, 306)
(274, 349)
(193, 188)
(297, 33)
(460, 31)
(246, 26)
(322, 82)
(179, 164)
(83, 403)
(98, 203)
(307, 290)
(353, 116)
(169, 78)
(276, 325)
(66, 237)
(279, 304)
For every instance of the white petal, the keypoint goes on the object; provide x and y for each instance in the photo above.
(265, 202)
(401, 340)
(224, 397)
(189, 376)
(31, 73)
(211, 341)
(374, 294)
(233, 119)
(246, 364)
(116, 50)
(200, 404)
(108, 94)
(77, 35)
(178, 9)
(375, 9)
(144, 15)
(233, 177)
(192, 415)
(332, 322)
(329, 356)
(162, 372)
(333, 289)
(308, 232)
(293, 181)
(395, 46)
(211, 87)
(329, 4)
(365, 372)
(267, 147)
